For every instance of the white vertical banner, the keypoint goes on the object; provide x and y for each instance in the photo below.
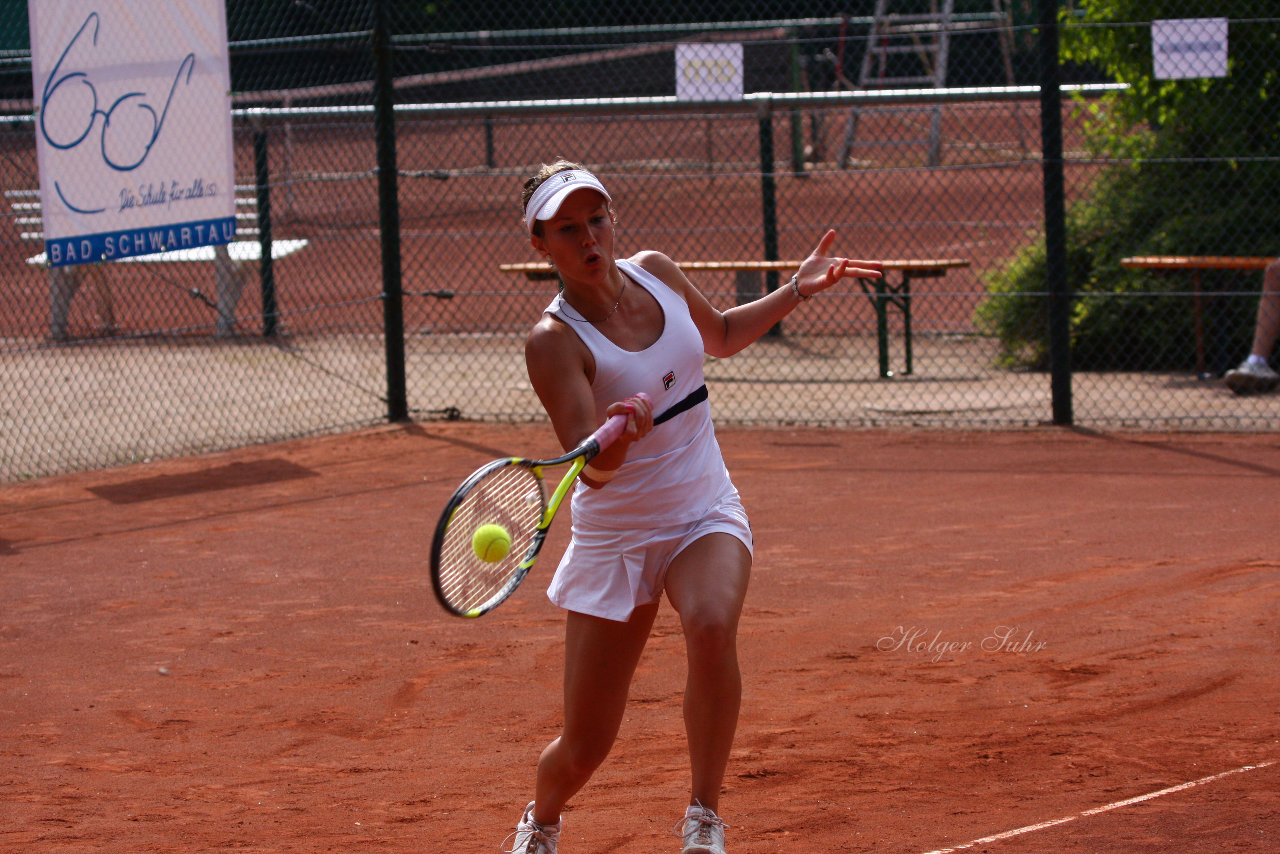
(133, 126)
(709, 72)
(1189, 47)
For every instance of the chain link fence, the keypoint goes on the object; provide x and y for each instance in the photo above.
(915, 148)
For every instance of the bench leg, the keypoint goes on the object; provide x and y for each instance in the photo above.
(1197, 303)
(905, 303)
(97, 276)
(63, 284)
(231, 276)
(881, 303)
(749, 285)
(882, 295)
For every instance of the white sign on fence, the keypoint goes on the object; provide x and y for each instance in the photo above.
(1189, 47)
(133, 127)
(709, 72)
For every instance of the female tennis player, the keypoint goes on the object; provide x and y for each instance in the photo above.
(655, 513)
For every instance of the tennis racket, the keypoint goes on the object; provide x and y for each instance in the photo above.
(509, 492)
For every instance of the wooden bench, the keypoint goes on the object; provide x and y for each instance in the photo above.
(1194, 264)
(882, 292)
(230, 262)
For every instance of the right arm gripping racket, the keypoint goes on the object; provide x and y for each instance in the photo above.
(508, 492)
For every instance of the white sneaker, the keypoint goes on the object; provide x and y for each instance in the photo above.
(1252, 378)
(702, 831)
(533, 838)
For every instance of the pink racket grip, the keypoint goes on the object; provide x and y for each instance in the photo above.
(608, 433)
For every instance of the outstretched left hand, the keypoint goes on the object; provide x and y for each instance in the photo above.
(820, 271)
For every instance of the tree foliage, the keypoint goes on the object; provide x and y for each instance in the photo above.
(1192, 170)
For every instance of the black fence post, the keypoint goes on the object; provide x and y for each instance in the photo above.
(389, 220)
(769, 201)
(266, 260)
(796, 63)
(1055, 216)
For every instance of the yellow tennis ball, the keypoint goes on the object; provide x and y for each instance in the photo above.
(491, 543)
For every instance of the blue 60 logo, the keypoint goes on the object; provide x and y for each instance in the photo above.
(130, 125)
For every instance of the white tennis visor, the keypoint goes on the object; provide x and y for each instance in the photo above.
(551, 193)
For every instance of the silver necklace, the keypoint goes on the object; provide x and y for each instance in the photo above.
(621, 291)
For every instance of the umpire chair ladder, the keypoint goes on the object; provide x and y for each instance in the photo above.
(905, 51)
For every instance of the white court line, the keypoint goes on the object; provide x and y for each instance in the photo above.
(1031, 828)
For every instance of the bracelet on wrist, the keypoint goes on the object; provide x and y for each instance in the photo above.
(795, 287)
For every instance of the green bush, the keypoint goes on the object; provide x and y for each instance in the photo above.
(1131, 319)
(1192, 170)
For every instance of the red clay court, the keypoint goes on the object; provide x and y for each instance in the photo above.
(1034, 641)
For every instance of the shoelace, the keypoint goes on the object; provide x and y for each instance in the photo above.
(539, 839)
(701, 832)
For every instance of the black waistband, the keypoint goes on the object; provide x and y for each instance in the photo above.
(690, 401)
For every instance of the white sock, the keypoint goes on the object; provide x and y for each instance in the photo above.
(1255, 359)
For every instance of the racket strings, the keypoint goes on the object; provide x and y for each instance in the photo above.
(510, 496)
